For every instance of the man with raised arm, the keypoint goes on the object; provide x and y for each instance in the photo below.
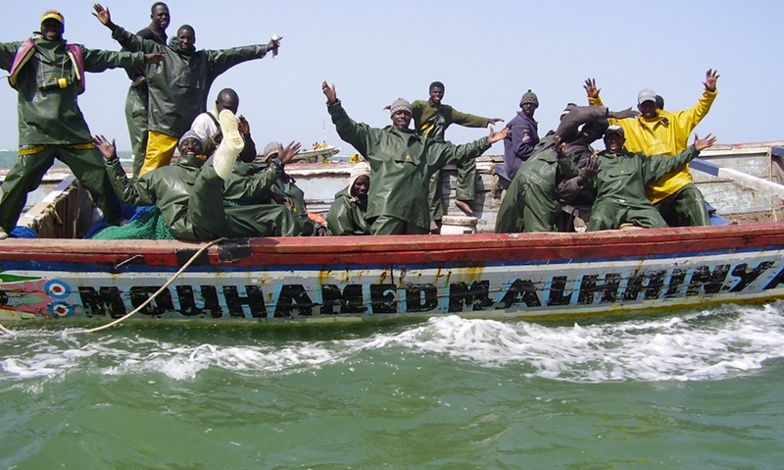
(431, 119)
(178, 91)
(136, 102)
(190, 194)
(401, 164)
(49, 75)
(622, 179)
(664, 132)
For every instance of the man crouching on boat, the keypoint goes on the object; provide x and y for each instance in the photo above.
(401, 164)
(190, 194)
(623, 176)
(49, 72)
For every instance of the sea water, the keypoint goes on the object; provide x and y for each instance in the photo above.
(691, 389)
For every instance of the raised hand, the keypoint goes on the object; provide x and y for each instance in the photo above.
(102, 14)
(711, 76)
(702, 144)
(496, 136)
(329, 92)
(289, 151)
(590, 88)
(107, 149)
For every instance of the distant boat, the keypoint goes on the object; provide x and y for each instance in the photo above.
(486, 275)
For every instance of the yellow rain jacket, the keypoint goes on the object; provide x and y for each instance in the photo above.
(666, 134)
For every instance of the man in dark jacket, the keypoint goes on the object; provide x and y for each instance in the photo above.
(179, 90)
(48, 73)
(523, 135)
(136, 101)
(191, 193)
(401, 164)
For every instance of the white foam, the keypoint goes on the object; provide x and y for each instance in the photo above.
(704, 345)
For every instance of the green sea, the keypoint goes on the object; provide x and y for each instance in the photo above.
(691, 389)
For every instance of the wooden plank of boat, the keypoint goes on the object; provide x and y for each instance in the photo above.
(487, 275)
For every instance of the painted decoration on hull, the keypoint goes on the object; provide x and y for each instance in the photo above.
(505, 289)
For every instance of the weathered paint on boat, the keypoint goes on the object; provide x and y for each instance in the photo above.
(332, 278)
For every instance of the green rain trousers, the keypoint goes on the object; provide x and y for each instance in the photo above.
(86, 165)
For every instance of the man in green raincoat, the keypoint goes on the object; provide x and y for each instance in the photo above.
(623, 177)
(348, 212)
(186, 193)
(401, 164)
(48, 73)
(178, 91)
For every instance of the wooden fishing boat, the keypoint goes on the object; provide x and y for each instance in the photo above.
(487, 275)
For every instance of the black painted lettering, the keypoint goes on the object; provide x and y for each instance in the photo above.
(776, 280)
(652, 289)
(159, 306)
(710, 282)
(746, 276)
(476, 296)
(590, 286)
(293, 297)
(98, 303)
(253, 299)
(349, 301)
(190, 307)
(421, 297)
(557, 290)
(676, 281)
(383, 298)
(521, 291)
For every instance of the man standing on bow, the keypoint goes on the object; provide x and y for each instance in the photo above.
(179, 90)
(523, 135)
(49, 75)
(136, 108)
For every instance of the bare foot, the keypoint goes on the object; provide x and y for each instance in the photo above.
(463, 206)
(433, 227)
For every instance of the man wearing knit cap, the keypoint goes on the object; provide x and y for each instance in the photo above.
(401, 164)
(523, 135)
(662, 132)
(348, 212)
(431, 118)
(49, 75)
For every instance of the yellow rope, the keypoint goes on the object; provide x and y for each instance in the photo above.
(146, 302)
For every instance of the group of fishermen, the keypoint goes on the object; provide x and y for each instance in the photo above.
(218, 187)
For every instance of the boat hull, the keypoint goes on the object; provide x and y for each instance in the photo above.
(548, 275)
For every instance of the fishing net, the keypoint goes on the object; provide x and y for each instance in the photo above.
(147, 224)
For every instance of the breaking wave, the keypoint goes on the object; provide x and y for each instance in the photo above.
(711, 344)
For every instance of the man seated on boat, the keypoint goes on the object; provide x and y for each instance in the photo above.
(48, 73)
(179, 90)
(206, 125)
(284, 190)
(657, 131)
(348, 212)
(533, 201)
(622, 179)
(186, 193)
(401, 164)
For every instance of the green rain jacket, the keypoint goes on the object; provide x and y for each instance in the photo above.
(401, 163)
(53, 117)
(347, 216)
(179, 87)
(432, 121)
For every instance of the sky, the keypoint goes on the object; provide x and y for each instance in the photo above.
(487, 54)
